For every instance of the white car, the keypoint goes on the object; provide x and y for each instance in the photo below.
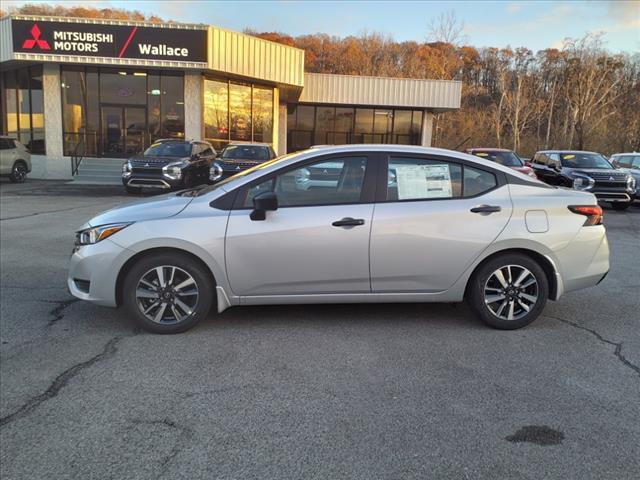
(15, 159)
(397, 224)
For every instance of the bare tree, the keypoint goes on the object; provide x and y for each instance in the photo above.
(446, 28)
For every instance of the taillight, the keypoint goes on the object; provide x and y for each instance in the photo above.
(592, 212)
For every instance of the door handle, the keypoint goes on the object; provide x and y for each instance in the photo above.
(348, 222)
(486, 209)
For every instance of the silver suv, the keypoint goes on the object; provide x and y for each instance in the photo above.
(380, 223)
(15, 159)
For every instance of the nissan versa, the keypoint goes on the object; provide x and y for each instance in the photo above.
(389, 223)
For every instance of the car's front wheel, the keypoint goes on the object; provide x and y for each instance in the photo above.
(18, 172)
(168, 293)
(509, 291)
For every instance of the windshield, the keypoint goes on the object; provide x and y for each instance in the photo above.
(168, 149)
(248, 171)
(584, 160)
(245, 152)
(508, 159)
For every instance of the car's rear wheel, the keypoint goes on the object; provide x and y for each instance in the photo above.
(168, 293)
(621, 205)
(18, 172)
(508, 291)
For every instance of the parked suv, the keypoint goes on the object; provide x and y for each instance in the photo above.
(588, 171)
(629, 163)
(503, 157)
(169, 164)
(237, 157)
(15, 159)
(390, 223)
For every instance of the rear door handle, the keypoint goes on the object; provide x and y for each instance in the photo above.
(486, 209)
(348, 222)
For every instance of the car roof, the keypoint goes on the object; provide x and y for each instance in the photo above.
(489, 149)
(625, 153)
(567, 151)
(256, 144)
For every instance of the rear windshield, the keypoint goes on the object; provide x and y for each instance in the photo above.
(508, 159)
(584, 160)
(168, 149)
(245, 152)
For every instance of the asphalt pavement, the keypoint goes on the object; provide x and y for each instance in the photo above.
(314, 392)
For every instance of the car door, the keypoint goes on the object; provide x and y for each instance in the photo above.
(316, 242)
(433, 218)
(7, 156)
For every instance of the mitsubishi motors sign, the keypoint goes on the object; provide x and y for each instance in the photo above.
(113, 41)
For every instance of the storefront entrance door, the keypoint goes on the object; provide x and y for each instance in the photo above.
(124, 130)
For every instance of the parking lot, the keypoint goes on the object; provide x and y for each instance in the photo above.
(331, 391)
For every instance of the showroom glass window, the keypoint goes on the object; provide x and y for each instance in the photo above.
(235, 111)
(309, 125)
(23, 107)
(149, 105)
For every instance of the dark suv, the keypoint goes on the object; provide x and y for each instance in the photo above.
(237, 157)
(588, 171)
(169, 164)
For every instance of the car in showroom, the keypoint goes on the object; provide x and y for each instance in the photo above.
(508, 158)
(446, 226)
(15, 159)
(238, 156)
(587, 171)
(169, 164)
(629, 163)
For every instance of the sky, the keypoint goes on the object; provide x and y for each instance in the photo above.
(532, 24)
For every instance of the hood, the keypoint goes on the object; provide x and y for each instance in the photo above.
(153, 161)
(591, 171)
(233, 161)
(162, 206)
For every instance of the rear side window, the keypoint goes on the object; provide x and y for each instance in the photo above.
(6, 144)
(422, 179)
(478, 181)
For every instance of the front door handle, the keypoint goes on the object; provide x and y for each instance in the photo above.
(486, 209)
(348, 222)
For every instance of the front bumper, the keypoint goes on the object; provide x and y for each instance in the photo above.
(151, 180)
(93, 272)
(613, 195)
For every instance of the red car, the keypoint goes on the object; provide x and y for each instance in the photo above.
(503, 157)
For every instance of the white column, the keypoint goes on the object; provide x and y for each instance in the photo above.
(193, 106)
(282, 131)
(275, 135)
(427, 129)
(53, 165)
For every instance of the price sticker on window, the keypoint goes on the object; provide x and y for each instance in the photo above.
(423, 181)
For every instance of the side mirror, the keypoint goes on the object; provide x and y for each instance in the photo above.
(263, 203)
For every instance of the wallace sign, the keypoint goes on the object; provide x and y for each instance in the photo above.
(113, 41)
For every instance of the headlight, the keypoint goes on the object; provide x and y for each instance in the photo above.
(173, 170)
(126, 169)
(631, 183)
(581, 182)
(215, 172)
(96, 234)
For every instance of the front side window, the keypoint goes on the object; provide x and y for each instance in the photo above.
(327, 182)
(422, 179)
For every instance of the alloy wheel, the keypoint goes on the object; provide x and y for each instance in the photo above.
(167, 295)
(511, 292)
(19, 173)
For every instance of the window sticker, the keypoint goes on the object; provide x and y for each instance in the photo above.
(423, 181)
(568, 157)
(481, 154)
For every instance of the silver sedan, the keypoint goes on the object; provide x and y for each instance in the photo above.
(365, 223)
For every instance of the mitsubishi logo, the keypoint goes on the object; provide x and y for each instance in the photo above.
(146, 164)
(611, 178)
(32, 42)
(238, 167)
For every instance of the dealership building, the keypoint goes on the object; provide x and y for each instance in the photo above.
(107, 89)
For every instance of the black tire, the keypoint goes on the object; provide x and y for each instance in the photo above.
(621, 205)
(18, 172)
(184, 263)
(133, 190)
(480, 280)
